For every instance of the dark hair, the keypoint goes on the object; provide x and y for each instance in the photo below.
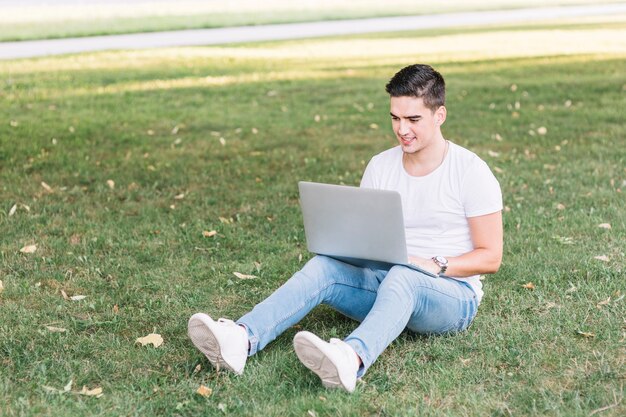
(420, 81)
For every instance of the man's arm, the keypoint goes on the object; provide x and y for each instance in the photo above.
(487, 236)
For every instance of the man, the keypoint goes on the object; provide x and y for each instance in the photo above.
(452, 206)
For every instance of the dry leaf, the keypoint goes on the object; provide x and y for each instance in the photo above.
(56, 329)
(244, 276)
(225, 220)
(96, 392)
(317, 118)
(78, 297)
(513, 87)
(312, 413)
(465, 361)
(588, 335)
(206, 233)
(29, 249)
(373, 126)
(204, 391)
(197, 368)
(571, 289)
(13, 209)
(46, 187)
(560, 206)
(542, 130)
(255, 130)
(116, 309)
(68, 387)
(153, 338)
(604, 226)
(529, 286)
(222, 407)
(602, 258)
(222, 141)
(179, 196)
(604, 302)
(75, 239)
(493, 154)
(111, 184)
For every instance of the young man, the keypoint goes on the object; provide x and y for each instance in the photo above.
(452, 207)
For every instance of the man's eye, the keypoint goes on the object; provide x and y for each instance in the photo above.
(414, 120)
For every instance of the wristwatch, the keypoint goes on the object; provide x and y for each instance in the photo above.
(441, 262)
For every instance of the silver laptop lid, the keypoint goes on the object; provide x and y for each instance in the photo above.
(353, 222)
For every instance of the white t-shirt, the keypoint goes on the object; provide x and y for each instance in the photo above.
(436, 206)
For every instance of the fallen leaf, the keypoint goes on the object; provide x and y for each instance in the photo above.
(587, 335)
(197, 368)
(373, 126)
(206, 233)
(225, 220)
(322, 398)
(317, 118)
(111, 184)
(244, 276)
(75, 239)
(465, 361)
(542, 130)
(571, 289)
(604, 302)
(1, 286)
(46, 187)
(96, 392)
(602, 258)
(153, 338)
(13, 209)
(222, 407)
(493, 154)
(560, 206)
(175, 130)
(204, 391)
(529, 286)
(513, 87)
(604, 226)
(64, 295)
(68, 387)
(255, 130)
(29, 249)
(56, 329)
(179, 196)
(78, 297)
(312, 413)
(568, 103)
(116, 309)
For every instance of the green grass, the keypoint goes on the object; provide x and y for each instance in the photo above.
(75, 122)
(45, 21)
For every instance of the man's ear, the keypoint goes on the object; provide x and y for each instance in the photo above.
(440, 115)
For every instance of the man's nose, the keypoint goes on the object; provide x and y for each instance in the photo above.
(403, 129)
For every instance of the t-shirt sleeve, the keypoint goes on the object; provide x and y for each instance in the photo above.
(369, 179)
(480, 192)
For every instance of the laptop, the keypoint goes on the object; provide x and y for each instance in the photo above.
(360, 226)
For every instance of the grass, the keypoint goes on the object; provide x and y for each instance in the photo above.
(71, 19)
(234, 129)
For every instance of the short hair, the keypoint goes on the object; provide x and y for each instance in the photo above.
(420, 81)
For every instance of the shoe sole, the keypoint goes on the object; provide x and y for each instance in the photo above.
(310, 350)
(200, 331)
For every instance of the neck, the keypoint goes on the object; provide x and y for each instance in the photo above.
(426, 160)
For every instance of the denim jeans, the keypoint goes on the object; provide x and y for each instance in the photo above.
(385, 302)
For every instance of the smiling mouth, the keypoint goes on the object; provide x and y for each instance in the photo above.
(407, 141)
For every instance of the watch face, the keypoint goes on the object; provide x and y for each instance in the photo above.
(441, 260)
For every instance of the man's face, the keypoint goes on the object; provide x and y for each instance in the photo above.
(415, 125)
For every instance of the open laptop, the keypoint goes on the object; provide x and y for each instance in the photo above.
(360, 226)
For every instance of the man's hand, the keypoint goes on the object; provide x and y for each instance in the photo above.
(426, 264)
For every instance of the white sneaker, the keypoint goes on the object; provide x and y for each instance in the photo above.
(335, 363)
(223, 342)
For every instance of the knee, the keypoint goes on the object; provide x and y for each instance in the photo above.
(320, 266)
(402, 278)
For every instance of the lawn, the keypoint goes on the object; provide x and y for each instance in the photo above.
(115, 164)
(38, 19)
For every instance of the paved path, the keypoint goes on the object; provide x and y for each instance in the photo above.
(24, 49)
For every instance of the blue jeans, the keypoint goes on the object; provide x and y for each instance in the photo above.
(385, 302)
